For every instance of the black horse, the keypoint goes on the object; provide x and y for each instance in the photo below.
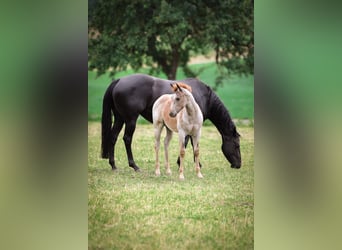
(134, 95)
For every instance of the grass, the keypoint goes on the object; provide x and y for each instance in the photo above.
(128, 210)
(237, 93)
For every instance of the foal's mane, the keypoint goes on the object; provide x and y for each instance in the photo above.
(182, 85)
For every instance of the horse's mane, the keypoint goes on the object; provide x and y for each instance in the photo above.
(182, 85)
(220, 116)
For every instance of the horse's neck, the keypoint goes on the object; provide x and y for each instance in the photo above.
(220, 117)
(191, 108)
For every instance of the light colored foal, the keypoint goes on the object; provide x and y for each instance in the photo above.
(180, 113)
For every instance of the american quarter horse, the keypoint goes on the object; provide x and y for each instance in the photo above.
(180, 113)
(134, 95)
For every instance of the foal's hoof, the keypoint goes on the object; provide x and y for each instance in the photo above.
(181, 177)
(199, 175)
(137, 169)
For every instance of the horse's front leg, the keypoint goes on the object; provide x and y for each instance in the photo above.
(181, 156)
(192, 144)
(196, 156)
(186, 140)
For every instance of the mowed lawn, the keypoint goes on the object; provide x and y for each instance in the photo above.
(128, 210)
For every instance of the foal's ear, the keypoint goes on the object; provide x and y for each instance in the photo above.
(179, 88)
(173, 86)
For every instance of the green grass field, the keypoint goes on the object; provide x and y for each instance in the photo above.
(128, 210)
(237, 93)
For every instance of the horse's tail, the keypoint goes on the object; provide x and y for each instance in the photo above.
(107, 120)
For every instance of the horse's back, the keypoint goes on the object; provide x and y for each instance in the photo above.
(135, 94)
(135, 88)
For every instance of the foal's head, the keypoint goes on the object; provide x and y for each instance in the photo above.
(179, 100)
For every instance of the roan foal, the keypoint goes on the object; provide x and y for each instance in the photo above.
(180, 113)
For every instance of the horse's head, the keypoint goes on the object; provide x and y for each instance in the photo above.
(231, 149)
(178, 100)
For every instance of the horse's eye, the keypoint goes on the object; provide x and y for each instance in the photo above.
(177, 98)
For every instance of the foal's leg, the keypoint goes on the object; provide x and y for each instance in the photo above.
(118, 124)
(196, 156)
(186, 144)
(166, 148)
(192, 144)
(157, 131)
(129, 130)
(181, 155)
(186, 141)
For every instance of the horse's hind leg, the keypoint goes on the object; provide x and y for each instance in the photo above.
(166, 148)
(117, 126)
(129, 131)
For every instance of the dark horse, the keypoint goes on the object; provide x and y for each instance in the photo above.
(134, 95)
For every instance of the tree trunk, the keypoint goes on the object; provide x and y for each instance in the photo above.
(171, 75)
(172, 72)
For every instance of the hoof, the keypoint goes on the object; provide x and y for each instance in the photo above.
(157, 173)
(168, 172)
(181, 177)
(137, 170)
(200, 175)
(114, 169)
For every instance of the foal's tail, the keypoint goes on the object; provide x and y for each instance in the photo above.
(107, 120)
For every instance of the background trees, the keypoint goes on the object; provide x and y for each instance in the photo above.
(164, 34)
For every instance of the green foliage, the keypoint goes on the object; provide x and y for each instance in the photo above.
(128, 210)
(161, 34)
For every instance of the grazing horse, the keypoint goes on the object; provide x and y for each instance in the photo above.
(134, 95)
(180, 113)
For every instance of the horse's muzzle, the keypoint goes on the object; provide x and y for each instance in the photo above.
(235, 166)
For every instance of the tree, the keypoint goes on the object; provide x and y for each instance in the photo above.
(161, 34)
